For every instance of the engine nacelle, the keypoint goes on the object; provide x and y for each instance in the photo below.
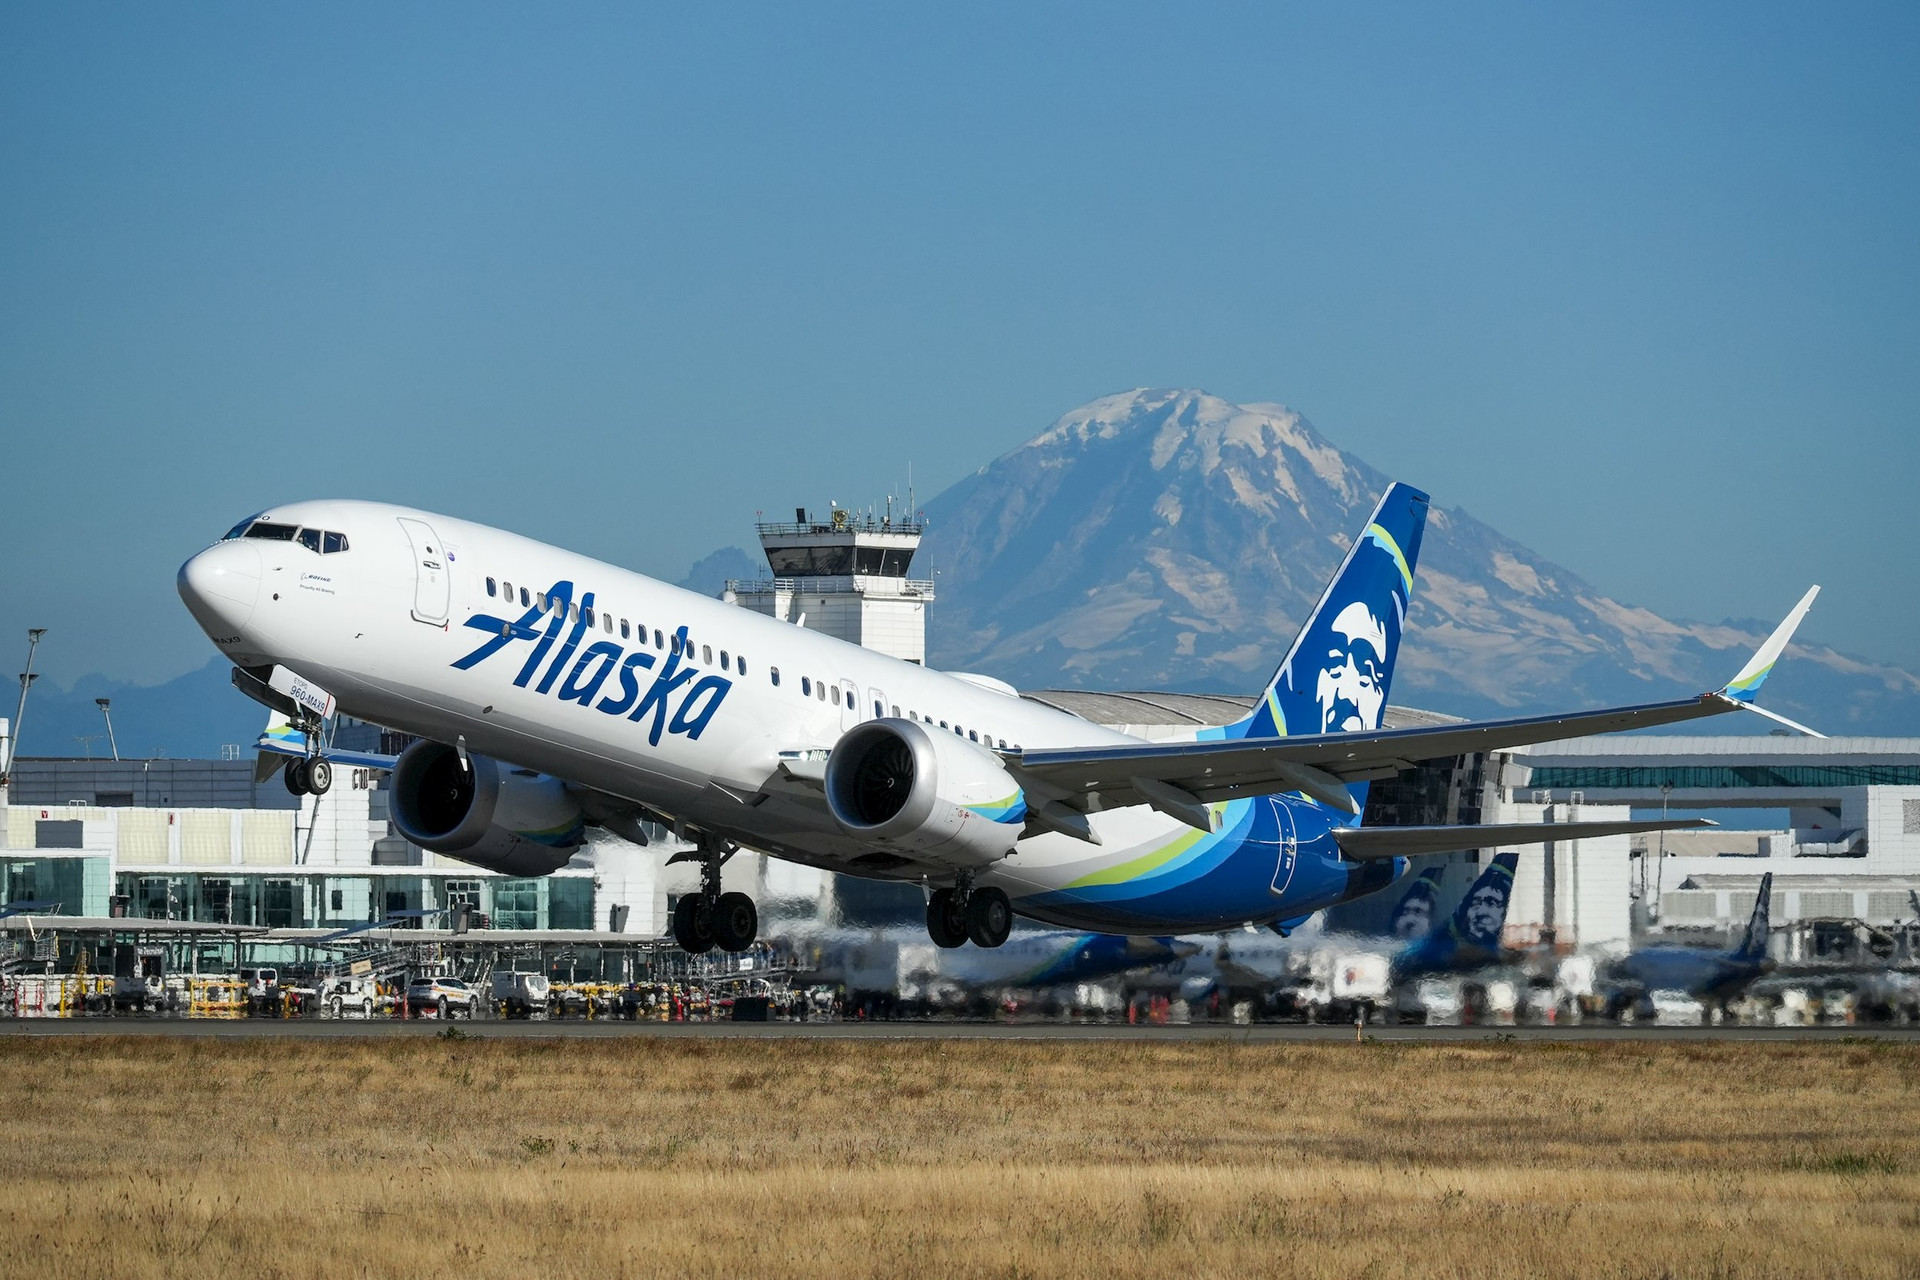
(509, 820)
(932, 796)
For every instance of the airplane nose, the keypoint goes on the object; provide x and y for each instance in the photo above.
(220, 586)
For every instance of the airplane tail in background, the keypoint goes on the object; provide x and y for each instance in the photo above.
(1471, 937)
(1482, 914)
(1334, 679)
(1413, 918)
(1753, 946)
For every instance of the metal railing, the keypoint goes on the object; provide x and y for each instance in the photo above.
(847, 585)
(843, 521)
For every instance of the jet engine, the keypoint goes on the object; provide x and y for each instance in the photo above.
(513, 821)
(933, 797)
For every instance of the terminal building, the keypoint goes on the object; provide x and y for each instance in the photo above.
(1847, 854)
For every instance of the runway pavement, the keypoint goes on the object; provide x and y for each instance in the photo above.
(1262, 1033)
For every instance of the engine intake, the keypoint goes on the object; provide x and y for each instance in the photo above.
(512, 821)
(931, 796)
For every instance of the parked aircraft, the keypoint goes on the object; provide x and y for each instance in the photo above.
(1710, 976)
(888, 959)
(1261, 965)
(551, 691)
(1471, 939)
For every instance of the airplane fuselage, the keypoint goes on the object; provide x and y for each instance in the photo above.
(613, 681)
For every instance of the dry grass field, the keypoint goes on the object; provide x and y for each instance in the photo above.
(265, 1158)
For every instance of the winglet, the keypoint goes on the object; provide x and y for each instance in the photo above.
(1745, 686)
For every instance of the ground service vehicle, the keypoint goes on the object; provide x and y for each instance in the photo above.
(444, 996)
(521, 995)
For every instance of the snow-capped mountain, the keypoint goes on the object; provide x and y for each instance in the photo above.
(1170, 539)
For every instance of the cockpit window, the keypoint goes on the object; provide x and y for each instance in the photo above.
(237, 530)
(335, 542)
(272, 532)
(310, 539)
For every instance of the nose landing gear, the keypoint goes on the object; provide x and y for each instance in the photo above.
(710, 918)
(312, 774)
(308, 777)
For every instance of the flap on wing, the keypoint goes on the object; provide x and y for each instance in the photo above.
(1366, 844)
(1321, 764)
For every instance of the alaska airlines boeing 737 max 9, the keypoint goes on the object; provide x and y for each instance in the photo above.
(552, 692)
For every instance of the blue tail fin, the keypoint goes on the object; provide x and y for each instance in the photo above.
(1334, 678)
(1472, 935)
(1482, 914)
(1753, 945)
(1413, 918)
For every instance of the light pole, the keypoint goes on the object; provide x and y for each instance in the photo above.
(19, 712)
(105, 705)
(1660, 872)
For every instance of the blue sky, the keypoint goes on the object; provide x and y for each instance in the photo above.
(1635, 286)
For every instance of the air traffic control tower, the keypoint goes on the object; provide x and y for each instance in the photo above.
(845, 576)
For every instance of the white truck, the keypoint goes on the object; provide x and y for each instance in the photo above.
(521, 995)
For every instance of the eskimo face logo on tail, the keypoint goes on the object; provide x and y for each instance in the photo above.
(676, 700)
(1486, 912)
(1337, 679)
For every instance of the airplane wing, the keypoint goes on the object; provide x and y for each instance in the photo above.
(1179, 778)
(1366, 844)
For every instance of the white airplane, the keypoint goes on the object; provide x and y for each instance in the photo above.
(552, 691)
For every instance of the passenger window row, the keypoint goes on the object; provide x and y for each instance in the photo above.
(628, 629)
(819, 689)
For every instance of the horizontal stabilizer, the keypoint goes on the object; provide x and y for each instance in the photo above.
(1366, 844)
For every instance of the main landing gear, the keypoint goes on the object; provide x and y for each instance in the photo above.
(710, 918)
(964, 914)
